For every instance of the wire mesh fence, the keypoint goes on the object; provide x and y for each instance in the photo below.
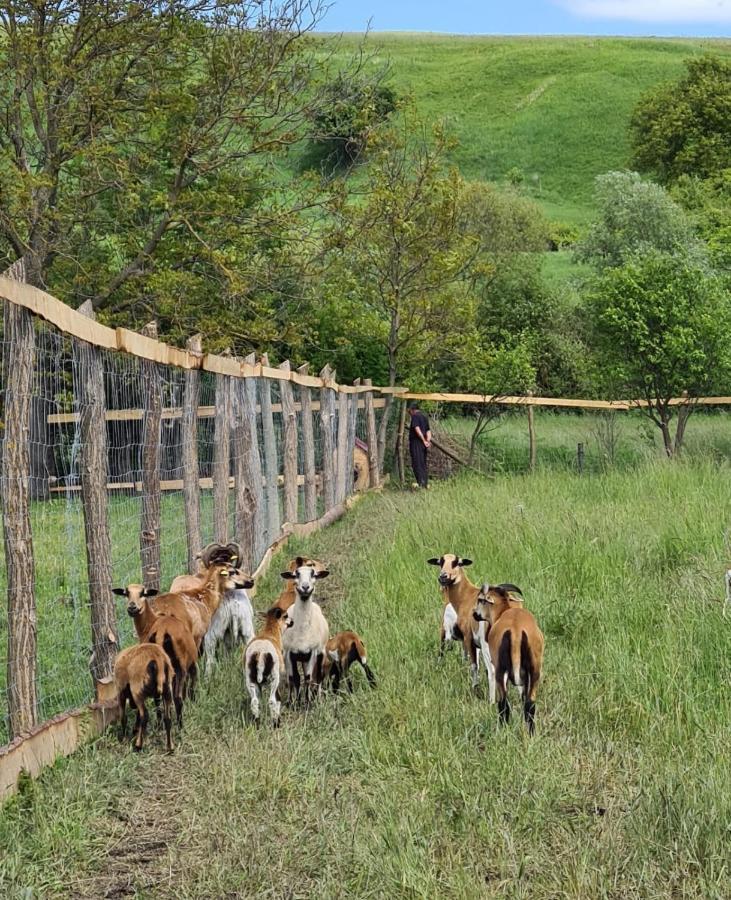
(124, 468)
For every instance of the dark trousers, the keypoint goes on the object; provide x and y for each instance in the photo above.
(419, 462)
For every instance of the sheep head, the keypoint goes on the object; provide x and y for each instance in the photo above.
(450, 568)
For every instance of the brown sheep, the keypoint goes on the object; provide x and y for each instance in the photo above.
(341, 651)
(264, 662)
(516, 648)
(141, 672)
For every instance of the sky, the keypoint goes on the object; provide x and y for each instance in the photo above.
(691, 18)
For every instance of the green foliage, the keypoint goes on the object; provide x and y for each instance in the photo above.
(635, 216)
(661, 325)
(343, 123)
(708, 202)
(682, 128)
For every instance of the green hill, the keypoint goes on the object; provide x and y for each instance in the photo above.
(556, 108)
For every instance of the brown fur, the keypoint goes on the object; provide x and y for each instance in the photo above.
(215, 553)
(141, 672)
(272, 630)
(516, 646)
(177, 641)
(346, 647)
(462, 594)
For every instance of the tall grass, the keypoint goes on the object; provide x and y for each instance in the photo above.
(412, 790)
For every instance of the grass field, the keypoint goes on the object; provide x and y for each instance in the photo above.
(556, 108)
(411, 790)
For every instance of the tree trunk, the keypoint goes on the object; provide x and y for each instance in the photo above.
(271, 464)
(189, 437)
(308, 447)
(370, 413)
(15, 497)
(151, 422)
(289, 427)
(221, 458)
(399, 452)
(352, 429)
(89, 388)
(253, 465)
(327, 437)
(683, 416)
(342, 467)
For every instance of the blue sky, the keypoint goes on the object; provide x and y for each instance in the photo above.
(631, 17)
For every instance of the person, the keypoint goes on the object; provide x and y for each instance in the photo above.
(419, 444)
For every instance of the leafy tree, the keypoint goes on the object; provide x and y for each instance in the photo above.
(127, 129)
(635, 216)
(402, 252)
(683, 128)
(661, 326)
(708, 202)
(343, 123)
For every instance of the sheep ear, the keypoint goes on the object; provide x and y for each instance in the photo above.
(150, 592)
(434, 561)
(120, 592)
(465, 562)
(291, 575)
(323, 573)
(300, 561)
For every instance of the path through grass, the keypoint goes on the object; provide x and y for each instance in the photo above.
(411, 790)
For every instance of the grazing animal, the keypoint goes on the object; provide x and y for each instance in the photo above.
(516, 648)
(141, 672)
(288, 595)
(212, 554)
(460, 596)
(304, 643)
(341, 651)
(232, 622)
(264, 662)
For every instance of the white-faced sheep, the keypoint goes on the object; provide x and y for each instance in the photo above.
(516, 648)
(142, 672)
(264, 662)
(304, 643)
(288, 594)
(341, 651)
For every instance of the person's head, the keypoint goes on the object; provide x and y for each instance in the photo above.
(412, 408)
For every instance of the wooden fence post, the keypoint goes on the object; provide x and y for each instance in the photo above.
(531, 436)
(370, 414)
(341, 481)
(89, 389)
(151, 421)
(352, 428)
(308, 447)
(580, 458)
(271, 463)
(221, 458)
(254, 464)
(327, 434)
(189, 437)
(400, 458)
(19, 358)
(289, 428)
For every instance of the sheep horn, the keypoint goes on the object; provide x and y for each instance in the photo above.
(235, 549)
(207, 552)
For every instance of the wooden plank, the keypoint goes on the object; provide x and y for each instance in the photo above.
(19, 363)
(341, 472)
(350, 451)
(327, 438)
(271, 462)
(150, 523)
(173, 484)
(517, 401)
(254, 475)
(189, 452)
(289, 449)
(93, 463)
(371, 431)
(308, 447)
(221, 458)
(204, 412)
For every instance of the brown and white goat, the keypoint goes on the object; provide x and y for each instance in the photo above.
(171, 634)
(264, 662)
(304, 643)
(341, 651)
(141, 672)
(516, 648)
(459, 596)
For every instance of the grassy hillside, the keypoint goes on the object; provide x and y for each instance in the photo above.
(555, 107)
(412, 790)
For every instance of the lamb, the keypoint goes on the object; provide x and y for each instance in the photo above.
(460, 596)
(341, 651)
(264, 663)
(305, 642)
(171, 634)
(141, 672)
(516, 648)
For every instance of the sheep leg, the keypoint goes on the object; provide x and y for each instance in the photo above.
(209, 652)
(253, 690)
(369, 674)
(309, 674)
(470, 649)
(178, 700)
(142, 722)
(529, 705)
(158, 710)
(294, 678)
(275, 707)
(193, 680)
(489, 671)
(122, 700)
(335, 674)
(167, 718)
(442, 642)
(503, 706)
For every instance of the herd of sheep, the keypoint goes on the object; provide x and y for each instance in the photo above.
(200, 611)
(175, 630)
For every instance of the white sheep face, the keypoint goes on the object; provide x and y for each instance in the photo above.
(304, 578)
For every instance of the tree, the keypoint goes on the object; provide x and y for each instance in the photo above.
(401, 251)
(661, 326)
(683, 128)
(120, 123)
(635, 216)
